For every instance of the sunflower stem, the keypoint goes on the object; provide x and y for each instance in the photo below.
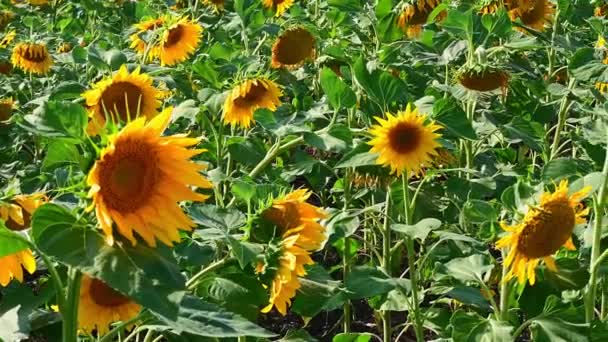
(70, 309)
(562, 116)
(272, 154)
(504, 290)
(386, 263)
(596, 258)
(193, 282)
(346, 256)
(56, 279)
(411, 255)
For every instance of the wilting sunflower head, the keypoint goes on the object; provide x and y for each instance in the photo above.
(291, 214)
(293, 48)
(542, 232)
(415, 14)
(248, 96)
(5, 18)
(32, 57)
(533, 13)
(216, 5)
(140, 178)
(7, 39)
(280, 5)
(291, 260)
(6, 108)
(601, 10)
(100, 305)
(18, 212)
(483, 78)
(405, 142)
(122, 97)
(143, 37)
(178, 41)
(489, 6)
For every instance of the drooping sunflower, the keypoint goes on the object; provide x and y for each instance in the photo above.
(404, 142)
(139, 43)
(5, 18)
(32, 57)
(8, 39)
(542, 232)
(141, 177)
(489, 7)
(179, 41)
(280, 5)
(291, 261)
(483, 78)
(6, 108)
(293, 48)
(248, 96)
(601, 10)
(16, 216)
(216, 5)
(533, 13)
(293, 215)
(415, 14)
(100, 305)
(122, 97)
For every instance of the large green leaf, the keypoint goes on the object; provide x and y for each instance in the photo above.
(58, 119)
(339, 94)
(381, 86)
(471, 268)
(148, 275)
(318, 292)
(470, 327)
(453, 119)
(420, 230)
(11, 242)
(352, 337)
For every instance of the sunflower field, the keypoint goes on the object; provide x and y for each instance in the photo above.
(295, 171)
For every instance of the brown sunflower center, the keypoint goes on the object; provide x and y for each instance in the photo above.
(218, 2)
(128, 176)
(404, 137)
(547, 230)
(278, 2)
(123, 99)
(14, 226)
(255, 94)
(6, 109)
(174, 36)
(294, 47)
(34, 53)
(104, 295)
(486, 81)
(284, 218)
(535, 14)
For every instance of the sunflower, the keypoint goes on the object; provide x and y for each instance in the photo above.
(216, 5)
(32, 57)
(285, 283)
(404, 142)
(250, 95)
(533, 13)
(489, 7)
(483, 79)
(415, 15)
(64, 47)
(101, 305)
(179, 41)
(5, 18)
(542, 232)
(293, 48)
(280, 5)
(8, 39)
(18, 213)
(293, 215)
(142, 28)
(122, 97)
(140, 178)
(16, 216)
(6, 108)
(601, 11)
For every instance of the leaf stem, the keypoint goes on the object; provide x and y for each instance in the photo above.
(193, 282)
(504, 290)
(56, 279)
(562, 116)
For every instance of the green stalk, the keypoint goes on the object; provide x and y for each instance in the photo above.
(412, 263)
(562, 116)
(193, 282)
(599, 204)
(346, 257)
(504, 291)
(386, 263)
(70, 309)
(56, 279)
(272, 154)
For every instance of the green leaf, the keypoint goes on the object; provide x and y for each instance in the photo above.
(243, 190)
(212, 216)
(381, 86)
(520, 130)
(419, 230)
(352, 337)
(244, 151)
(470, 327)
(367, 281)
(201, 318)
(453, 119)
(477, 211)
(240, 293)
(299, 335)
(245, 252)
(61, 153)
(346, 5)
(66, 90)
(471, 268)
(58, 119)
(11, 242)
(594, 180)
(150, 276)
(558, 169)
(336, 140)
(339, 94)
(319, 292)
(565, 325)
(207, 71)
(358, 156)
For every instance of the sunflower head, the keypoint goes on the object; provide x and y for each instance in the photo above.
(293, 48)
(5, 17)
(404, 141)
(489, 7)
(178, 41)
(415, 14)
(483, 78)
(11, 266)
(601, 10)
(279, 5)
(532, 13)
(100, 305)
(542, 232)
(64, 47)
(248, 96)
(216, 5)
(32, 57)
(7, 39)
(6, 108)
(122, 97)
(141, 38)
(140, 178)
(18, 212)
